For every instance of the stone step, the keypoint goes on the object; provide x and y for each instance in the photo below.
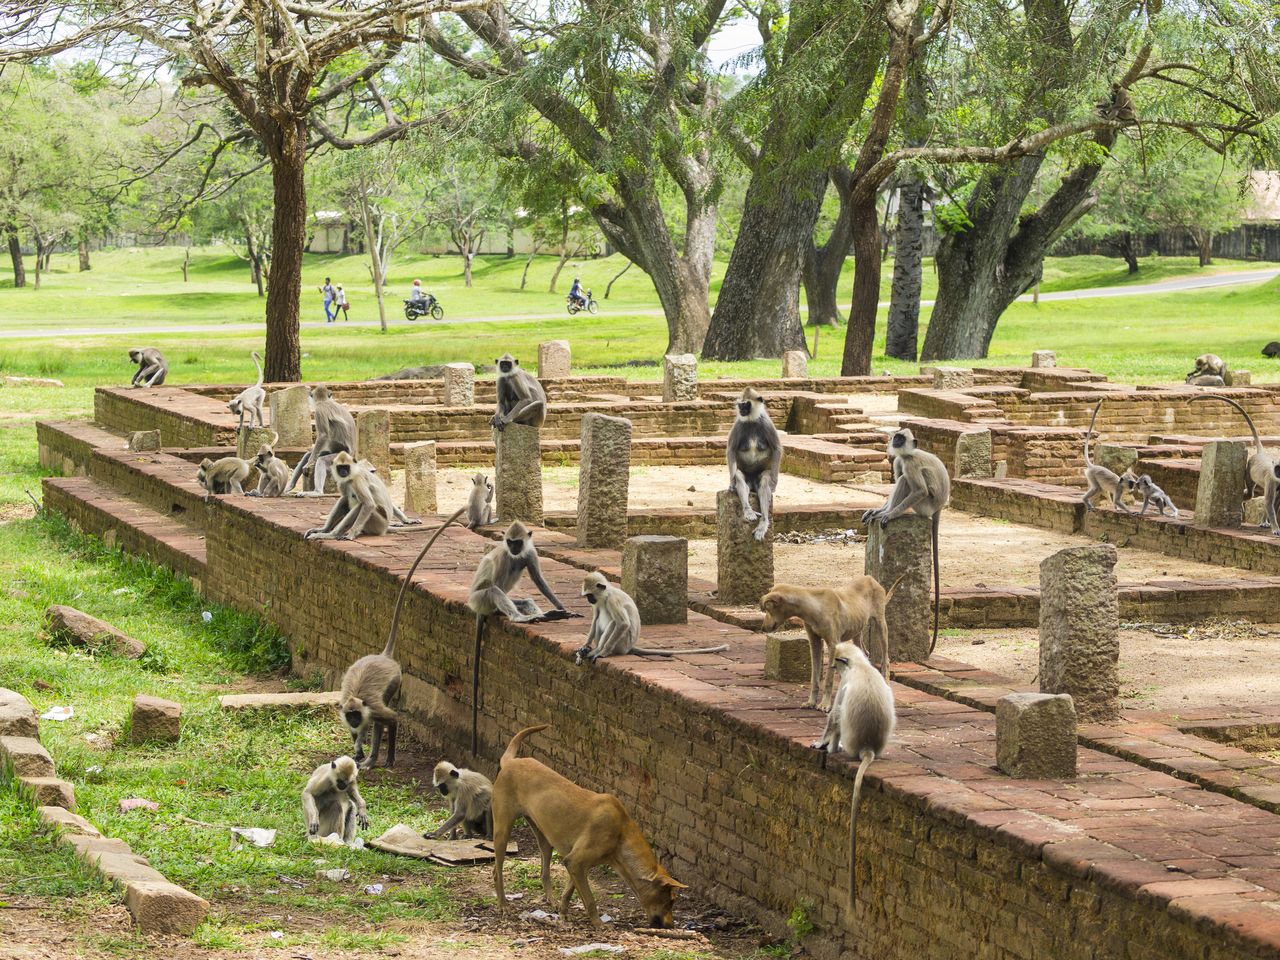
(279, 702)
(121, 522)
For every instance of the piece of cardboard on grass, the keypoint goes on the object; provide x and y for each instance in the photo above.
(408, 842)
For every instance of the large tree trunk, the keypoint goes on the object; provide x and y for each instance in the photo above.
(15, 255)
(1204, 245)
(82, 248)
(902, 338)
(1129, 251)
(860, 337)
(822, 265)
(288, 240)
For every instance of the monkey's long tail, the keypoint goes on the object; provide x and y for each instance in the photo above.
(257, 362)
(937, 583)
(864, 761)
(475, 687)
(888, 594)
(649, 652)
(390, 649)
(1089, 433)
(513, 748)
(1257, 440)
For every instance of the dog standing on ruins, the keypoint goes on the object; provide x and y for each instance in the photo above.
(832, 616)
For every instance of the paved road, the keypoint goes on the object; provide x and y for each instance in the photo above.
(1165, 286)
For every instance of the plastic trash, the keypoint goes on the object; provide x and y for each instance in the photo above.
(277, 934)
(540, 915)
(257, 836)
(207, 617)
(593, 948)
(374, 889)
(137, 803)
(92, 770)
(337, 876)
(58, 713)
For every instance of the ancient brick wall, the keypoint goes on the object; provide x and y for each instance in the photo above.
(1135, 416)
(564, 421)
(184, 419)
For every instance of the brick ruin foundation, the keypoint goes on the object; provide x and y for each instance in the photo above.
(1166, 844)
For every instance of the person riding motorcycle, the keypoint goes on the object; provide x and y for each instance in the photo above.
(576, 293)
(417, 293)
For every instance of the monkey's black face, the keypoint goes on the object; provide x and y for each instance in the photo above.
(505, 365)
(343, 470)
(744, 408)
(899, 441)
(342, 785)
(443, 787)
(516, 547)
(353, 718)
(591, 598)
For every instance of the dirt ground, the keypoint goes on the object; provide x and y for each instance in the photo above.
(1161, 667)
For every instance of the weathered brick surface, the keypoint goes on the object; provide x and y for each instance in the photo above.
(1080, 629)
(1036, 736)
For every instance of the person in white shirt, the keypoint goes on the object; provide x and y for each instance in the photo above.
(417, 293)
(340, 302)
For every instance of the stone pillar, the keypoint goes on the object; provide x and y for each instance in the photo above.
(250, 439)
(786, 657)
(291, 416)
(420, 478)
(1239, 378)
(141, 441)
(1221, 491)
(604, 475)
(655, 573)
(744, 565)
(1036, 736)
(1115, 457)
(1080, 629)
(679, 377)
(554, 359)
(373, 440)
(904, 546)
(795, 363)
(518, 473)
(973, 454)
(952, 378)
(459, 385)
(1044, 358)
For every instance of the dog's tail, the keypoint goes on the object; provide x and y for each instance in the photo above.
(513, 747)
(888, 594)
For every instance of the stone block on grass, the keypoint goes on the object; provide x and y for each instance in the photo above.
(155, 720)
(69, 625)
(25, 757)
(17, 717)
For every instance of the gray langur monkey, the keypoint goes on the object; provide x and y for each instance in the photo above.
(755, 457)
(497, 574)
(335, 433)
(226, 475)
(152, 368)
(860, 724)
(1152, 495)
(249, 400)
(921, 484)
(1100, 479)
(364, 504)
(331, 801)
(479, 503)
(470, 797)
(1263, 470)
(521, 398)
(615, 624)
(273, 473)
(1210, 365)
(371, 683)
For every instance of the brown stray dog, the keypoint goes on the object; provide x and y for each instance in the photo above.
(587, 828)
(834, 616)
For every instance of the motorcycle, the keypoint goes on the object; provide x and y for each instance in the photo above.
(581, 303)
(413, 309)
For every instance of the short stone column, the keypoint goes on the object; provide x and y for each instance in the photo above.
(373, 440)
(459, 385)
(744, 565)
(655, 573)
(679, 377)
(904, 546)
(420, 477)
(291, 415)
(973, 454)
(250, 439)
(518, 473)
(786, 657)
(604, 477)
(1036, 736)
(795, 363)
(1080, 629)
(1239, 378)
(952, 378)
(554, 359)
(1044, 358)
(1115, 457)
(142, 441)
(155, 719)
(1221, 490)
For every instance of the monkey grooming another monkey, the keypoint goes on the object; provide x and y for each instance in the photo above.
(249, 400)
(920, 483)
(470, 797)
(587, 828)
(521, 398)
(152, 368)
(1152, 495)
(832, 617)
(615, 624)
(479, 509)
(331, 801)
(1262, 467)
(755, 457)
(335, 433)
(273, 473)
(372, 682)
(223, 476)
(1099, 478)
(863, 716)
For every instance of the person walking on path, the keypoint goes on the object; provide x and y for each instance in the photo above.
(328, 292)
(340, 303)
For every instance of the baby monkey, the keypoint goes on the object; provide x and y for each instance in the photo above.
(470, 797)
(331, 801)
(479, 503)
(1151, 494)
(223, 476)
